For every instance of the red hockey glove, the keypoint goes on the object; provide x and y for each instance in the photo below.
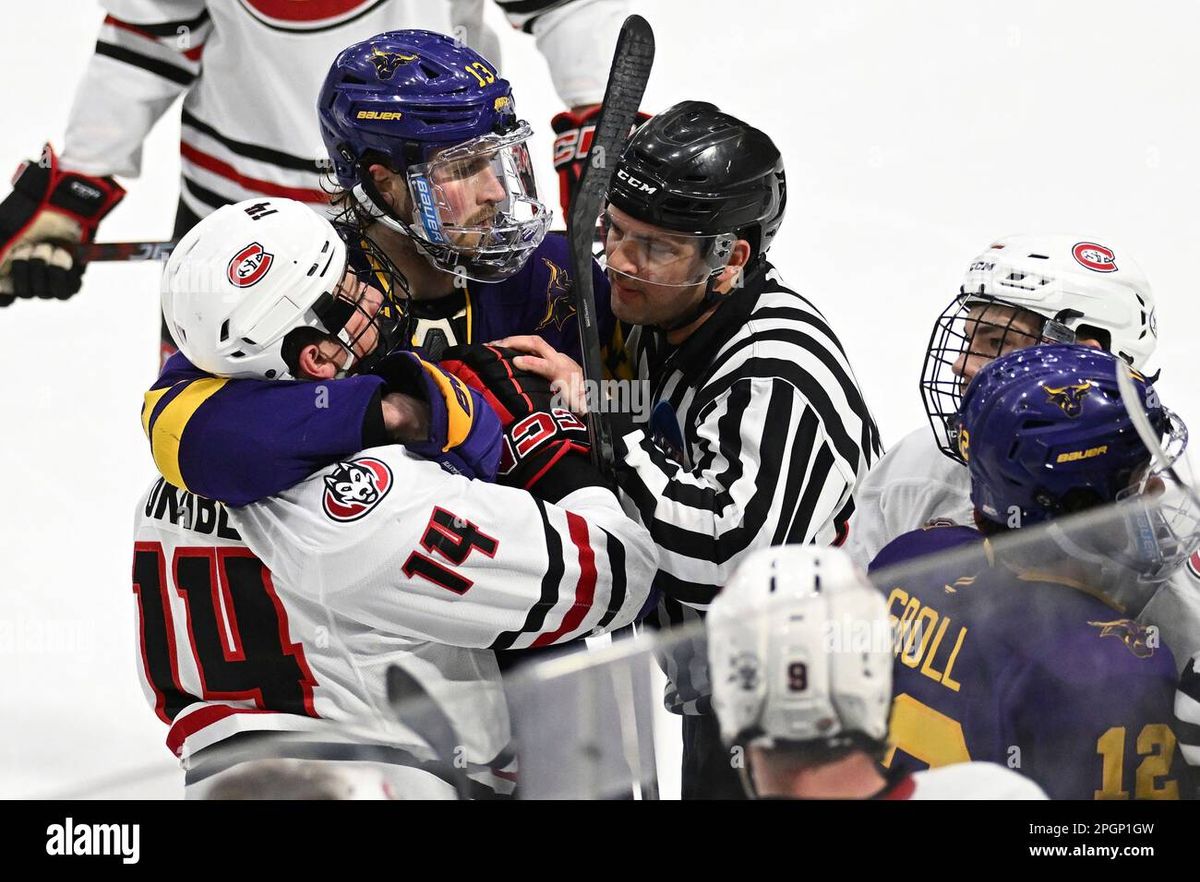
(546, 447)
(48, 211)
(573, 131)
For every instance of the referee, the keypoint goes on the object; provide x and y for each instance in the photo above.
(757, 430)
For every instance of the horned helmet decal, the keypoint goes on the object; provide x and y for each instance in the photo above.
(1069, 398)
(387, 63)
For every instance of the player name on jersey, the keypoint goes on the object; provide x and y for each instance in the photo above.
(189, 511)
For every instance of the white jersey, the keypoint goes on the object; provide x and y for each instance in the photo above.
(915, 483)
(968, 781)
(285, 615)
(250, 71)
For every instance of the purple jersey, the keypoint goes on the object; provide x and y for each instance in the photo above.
(238, 441)
(1029, 670)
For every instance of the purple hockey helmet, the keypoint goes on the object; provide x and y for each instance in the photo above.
(438, 113)
(1044, 432)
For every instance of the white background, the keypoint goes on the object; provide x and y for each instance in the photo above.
(914, 133)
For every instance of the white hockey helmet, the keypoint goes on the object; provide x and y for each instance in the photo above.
(1081, 288)
(800, 650)
(1074, 280)
(248, 274)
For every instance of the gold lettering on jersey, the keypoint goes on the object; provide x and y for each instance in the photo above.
(948, 681)
(927, 667)
(1076, 455)
(378, 114)
(920, 632)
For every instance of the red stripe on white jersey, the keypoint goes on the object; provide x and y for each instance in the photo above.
(585, 589)
(267, 188)
(187, 726)
(192, 54)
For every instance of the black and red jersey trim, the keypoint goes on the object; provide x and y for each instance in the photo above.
(555, 568)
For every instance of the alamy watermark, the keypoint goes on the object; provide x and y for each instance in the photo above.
(632, 397)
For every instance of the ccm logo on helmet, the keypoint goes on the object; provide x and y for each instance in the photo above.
(640, 186)
(1095, 257)
(249, 265)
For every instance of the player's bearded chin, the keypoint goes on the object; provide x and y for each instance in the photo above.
(475, 230)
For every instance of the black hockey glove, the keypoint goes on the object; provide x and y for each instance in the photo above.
(47, 212)
(546, 447)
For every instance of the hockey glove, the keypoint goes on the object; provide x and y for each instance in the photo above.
(573, 133)
(465, 436)
(48, 211)
(546, 447)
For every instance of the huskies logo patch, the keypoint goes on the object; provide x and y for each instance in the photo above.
(1069, 398)
(249, 265)
(354, 488)
(1095, 257)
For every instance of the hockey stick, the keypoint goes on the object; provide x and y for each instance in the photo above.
(622, 98)
(123, 251)
(415, 708)
(1149, 437)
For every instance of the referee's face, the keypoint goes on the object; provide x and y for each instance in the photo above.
(651, 271)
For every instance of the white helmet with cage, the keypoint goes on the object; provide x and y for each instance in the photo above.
(1074, 286)
(1072, 280)
(246, 276)
(800, 650)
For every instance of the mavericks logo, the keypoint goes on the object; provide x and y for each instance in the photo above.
(353, 488)
(249, 265)
(387, 63)
(1069, 398)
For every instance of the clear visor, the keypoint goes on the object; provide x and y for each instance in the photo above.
(479, 198)
(1167, 532)
(675, 260)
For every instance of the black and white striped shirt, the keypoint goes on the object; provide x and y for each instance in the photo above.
(1187, 712)
(775, 434)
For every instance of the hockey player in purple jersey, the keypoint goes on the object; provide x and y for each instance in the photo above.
(434, 168)
(432, 163)
(1026, 653)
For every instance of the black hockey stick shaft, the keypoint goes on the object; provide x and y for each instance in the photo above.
(627, 78)
(111, 251)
